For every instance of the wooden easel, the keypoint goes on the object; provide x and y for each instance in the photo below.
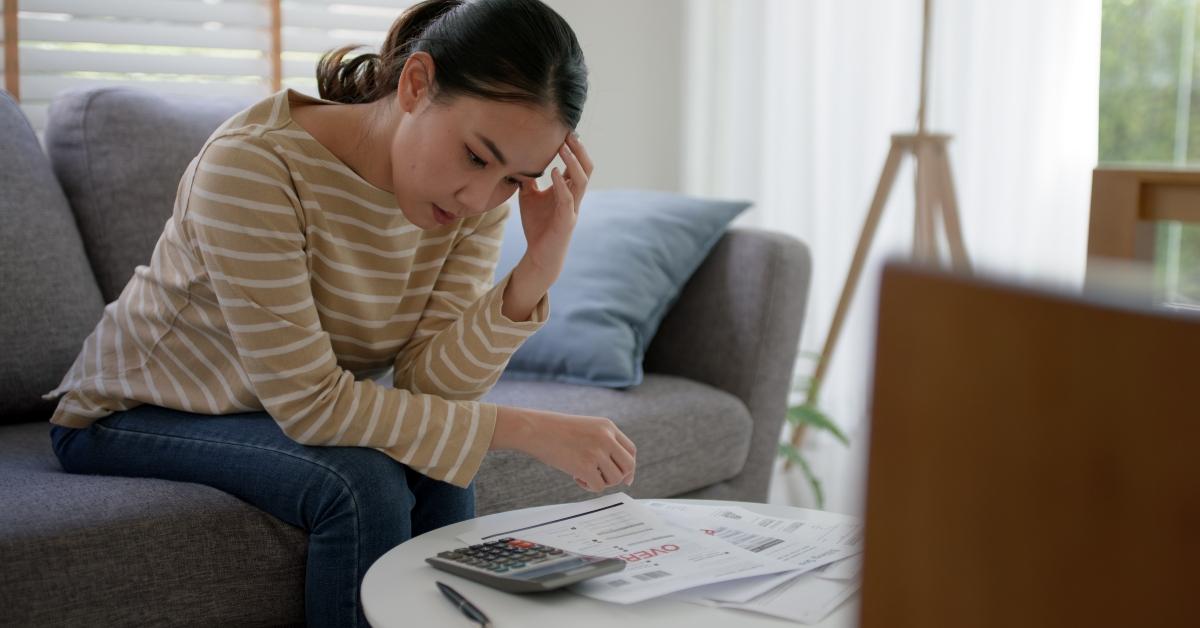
(934, 199)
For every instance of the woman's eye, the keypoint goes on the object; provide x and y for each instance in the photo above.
(479, 163)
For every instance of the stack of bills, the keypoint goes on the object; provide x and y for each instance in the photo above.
(797, 569)
(826, 548)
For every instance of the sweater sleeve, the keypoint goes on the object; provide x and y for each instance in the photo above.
(246, 229)
(463, 340)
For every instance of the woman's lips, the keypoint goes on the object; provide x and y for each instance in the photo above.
(442, 216)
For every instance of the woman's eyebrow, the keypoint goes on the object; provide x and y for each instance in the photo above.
(500, 156)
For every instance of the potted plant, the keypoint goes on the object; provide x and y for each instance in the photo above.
(804, 416)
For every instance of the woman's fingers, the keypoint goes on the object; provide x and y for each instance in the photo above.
(594, 479)
(626, 457)
(561, 192)
(610, 473)
(624, 462)
(575, 171)
(626, 443)
(578, 149)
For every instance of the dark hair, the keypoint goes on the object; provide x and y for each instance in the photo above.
(504, 50)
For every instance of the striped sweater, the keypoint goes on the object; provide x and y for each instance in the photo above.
(285, 282)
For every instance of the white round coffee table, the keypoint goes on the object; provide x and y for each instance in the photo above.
(399, 591)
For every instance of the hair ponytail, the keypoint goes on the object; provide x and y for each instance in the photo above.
(504, 50)
(371, 76)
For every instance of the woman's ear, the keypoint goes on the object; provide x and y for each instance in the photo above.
(416, 81)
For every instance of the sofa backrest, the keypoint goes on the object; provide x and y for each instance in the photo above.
(49, 300)
(119, 154)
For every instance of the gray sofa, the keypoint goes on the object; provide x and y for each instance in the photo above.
(93, 550)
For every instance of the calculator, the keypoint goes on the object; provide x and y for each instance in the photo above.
(519, 566)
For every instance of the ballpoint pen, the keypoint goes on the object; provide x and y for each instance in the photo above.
(463, 605)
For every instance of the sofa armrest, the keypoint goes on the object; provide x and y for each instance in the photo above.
(736, 326)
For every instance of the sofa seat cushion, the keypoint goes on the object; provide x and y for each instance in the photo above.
(688, 435)
(139, 551)
(101, 550)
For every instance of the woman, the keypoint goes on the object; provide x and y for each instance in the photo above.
(316, 243)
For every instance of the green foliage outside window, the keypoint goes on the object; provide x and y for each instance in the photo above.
(1150, 112)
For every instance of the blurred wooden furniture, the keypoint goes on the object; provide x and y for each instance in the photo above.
(1126, 204)
(1032, 459)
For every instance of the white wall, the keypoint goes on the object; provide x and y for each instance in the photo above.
(633, 122)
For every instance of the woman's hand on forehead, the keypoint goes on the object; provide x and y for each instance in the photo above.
(548, 216)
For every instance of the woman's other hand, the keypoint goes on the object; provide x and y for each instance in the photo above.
(590, 449)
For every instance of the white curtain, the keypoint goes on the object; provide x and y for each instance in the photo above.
(791, 103)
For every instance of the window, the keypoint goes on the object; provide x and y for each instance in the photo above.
(201, 47)
(312, 27)
(1150, 115)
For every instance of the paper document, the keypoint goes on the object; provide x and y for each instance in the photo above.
(659, 558)
(825, 527)
(846, 569)
(806, 545)
(808, 598)
(803, 596)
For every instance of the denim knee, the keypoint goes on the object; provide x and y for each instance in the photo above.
(374, 487)
(60, 439)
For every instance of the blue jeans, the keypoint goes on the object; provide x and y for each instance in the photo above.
(355, 503)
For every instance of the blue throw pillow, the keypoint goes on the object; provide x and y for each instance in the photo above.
(630, 255)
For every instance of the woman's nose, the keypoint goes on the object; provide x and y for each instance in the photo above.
(475, 196)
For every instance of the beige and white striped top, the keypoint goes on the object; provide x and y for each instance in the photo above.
(285, 282)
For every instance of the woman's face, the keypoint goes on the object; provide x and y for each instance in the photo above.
(465, 157)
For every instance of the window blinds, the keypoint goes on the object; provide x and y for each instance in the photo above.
(312, 27)
(198, 47)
